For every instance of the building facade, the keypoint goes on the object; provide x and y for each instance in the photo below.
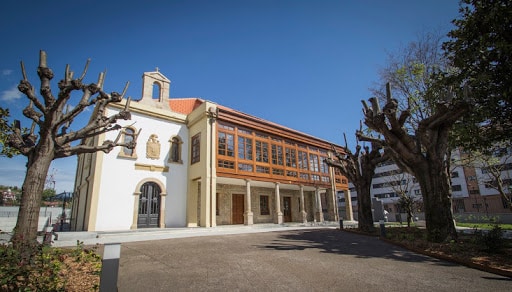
(478, 186)
(474, 190)
(198, 163)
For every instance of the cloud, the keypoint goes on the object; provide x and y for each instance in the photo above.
(11, 94)
(6, 72)
(12, 171)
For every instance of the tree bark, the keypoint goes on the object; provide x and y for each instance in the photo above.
(54, 140)
(423, 154)
(435, 186)
(25, 232)
(364, 206)
(359, 168)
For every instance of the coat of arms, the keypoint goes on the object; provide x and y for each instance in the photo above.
(153, 147)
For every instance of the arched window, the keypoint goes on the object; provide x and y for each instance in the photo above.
(175, 151)
(128, 136)
(156, 94)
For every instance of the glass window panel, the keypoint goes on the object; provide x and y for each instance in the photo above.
(261, 151)
(303, 160)
(291, 157)
(277, 154)
(313, 160)
(244, 148)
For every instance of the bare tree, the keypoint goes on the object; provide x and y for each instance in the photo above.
(423, 153)
(403, 184)
(410, 71)
(495, 164)
(52, 116)
(359, 168)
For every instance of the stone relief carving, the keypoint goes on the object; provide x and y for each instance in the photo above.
(153, 147)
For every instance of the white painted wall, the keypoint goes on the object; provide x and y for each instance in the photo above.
(506, 175)
(119, 177)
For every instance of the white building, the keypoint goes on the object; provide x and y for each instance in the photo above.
(472, 187)
(198, 163)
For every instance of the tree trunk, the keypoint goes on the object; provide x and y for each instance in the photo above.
(25, 232)
(435, 188)
(53, 118)
(364, 207)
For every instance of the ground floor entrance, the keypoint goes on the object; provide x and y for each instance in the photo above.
(149, 206)
(237, 215)
(287, 209)
(258, 203)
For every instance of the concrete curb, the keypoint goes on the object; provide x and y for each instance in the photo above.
(70, 239)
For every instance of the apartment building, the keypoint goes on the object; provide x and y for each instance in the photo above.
(473, 188)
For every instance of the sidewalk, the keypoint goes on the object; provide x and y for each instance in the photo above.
(70, 239)
(294, 258)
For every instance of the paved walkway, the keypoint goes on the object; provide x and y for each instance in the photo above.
(271, 257)
(69, 239)
(291, 259)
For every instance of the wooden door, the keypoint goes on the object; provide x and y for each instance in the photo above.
(237, 209)
(287, 209)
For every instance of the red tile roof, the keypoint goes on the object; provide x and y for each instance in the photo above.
(184, 105)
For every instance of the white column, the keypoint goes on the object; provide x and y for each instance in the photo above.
(303, 213)
(332, 176)
(248, 215)
(349, 213)
(213, 211)
(319, 213)
(279, 215)
(135, 210)
(162, 210)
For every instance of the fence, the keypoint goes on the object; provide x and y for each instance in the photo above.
(9, 216)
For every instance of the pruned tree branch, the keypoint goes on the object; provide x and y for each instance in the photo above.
(56, 114)
(359, 168)
(365, 138)
(45, 75)
(53, 117)
(26, 88)
(106, 147)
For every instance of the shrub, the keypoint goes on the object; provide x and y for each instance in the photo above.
(36, 268)
(491, 240)
(39, 267)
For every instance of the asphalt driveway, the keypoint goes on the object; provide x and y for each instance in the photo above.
(295, 260)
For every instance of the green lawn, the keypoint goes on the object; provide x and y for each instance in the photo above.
(484, 225)
(459, 224)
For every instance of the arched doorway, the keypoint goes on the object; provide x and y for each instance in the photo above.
(149, 205)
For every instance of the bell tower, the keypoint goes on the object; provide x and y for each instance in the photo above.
(155, 89)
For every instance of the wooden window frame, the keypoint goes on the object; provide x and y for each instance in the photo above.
(262, 151)
(195, 144)
(277, 154)
(226, 147)
(175, 150)
(245, 148)
(291, 157)
(302, 160)
(247, 152)
(264, 205)
(125, 135)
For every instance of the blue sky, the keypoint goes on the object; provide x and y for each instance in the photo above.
(303, 64)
